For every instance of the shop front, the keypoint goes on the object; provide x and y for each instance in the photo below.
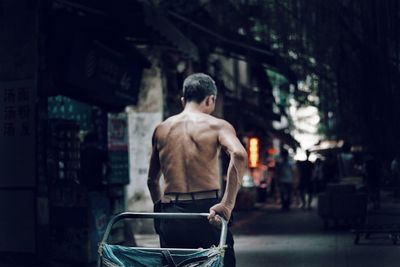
(72, 69)
(88, 80)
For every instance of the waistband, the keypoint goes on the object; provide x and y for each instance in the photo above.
(191, 196)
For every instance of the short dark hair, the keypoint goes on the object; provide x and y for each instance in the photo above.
(198, 86)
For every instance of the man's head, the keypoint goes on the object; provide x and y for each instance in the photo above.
(200, 89)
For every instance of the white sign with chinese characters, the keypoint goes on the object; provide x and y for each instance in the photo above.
(17, 133)
(141, 126)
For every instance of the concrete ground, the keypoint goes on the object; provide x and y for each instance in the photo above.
(269, 237)
(266, 236)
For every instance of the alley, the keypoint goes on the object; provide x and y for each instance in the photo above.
(199, 106)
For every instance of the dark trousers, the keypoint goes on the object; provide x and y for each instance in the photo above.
(306, 189)
(191, 233)
(286, 195)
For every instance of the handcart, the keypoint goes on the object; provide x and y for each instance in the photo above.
(123, 256)
(380, 223)
(377, 225)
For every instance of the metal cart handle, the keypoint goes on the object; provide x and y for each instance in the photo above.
(160, 215)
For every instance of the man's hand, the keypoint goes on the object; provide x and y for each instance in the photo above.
(221, 210)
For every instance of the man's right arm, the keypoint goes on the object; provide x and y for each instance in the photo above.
(153, 181)
(237, 166)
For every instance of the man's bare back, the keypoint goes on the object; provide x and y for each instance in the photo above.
(188, 147)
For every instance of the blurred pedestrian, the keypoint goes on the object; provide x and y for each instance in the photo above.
(346, 162)
(285, 175)
(306, 185)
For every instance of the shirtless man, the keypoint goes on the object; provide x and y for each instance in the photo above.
(185, 150)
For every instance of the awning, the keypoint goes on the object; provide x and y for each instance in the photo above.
(326, 146)
(155, 19)
(238, 44)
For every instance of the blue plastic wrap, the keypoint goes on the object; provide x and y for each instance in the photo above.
(121, 256)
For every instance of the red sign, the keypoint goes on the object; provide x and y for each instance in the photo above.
(254, 152)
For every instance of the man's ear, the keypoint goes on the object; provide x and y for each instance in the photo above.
(183, 101)
(208, 100)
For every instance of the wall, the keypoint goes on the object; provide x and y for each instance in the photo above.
(17, 125)
(142, 120)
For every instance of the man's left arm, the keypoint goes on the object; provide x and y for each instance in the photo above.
(237, 166)
(153, 180)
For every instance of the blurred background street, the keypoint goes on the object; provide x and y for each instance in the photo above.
(269, 237)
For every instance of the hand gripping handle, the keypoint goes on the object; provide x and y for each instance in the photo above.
(149, 215)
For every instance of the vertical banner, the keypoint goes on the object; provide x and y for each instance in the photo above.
(117, 132)
(141, 126)
(118, 148)
(17, 165)
(17, 133)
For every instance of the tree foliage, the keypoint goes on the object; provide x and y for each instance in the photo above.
(347, 51)
(350, 49)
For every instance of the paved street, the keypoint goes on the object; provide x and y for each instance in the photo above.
(266, 236)
(269, 237)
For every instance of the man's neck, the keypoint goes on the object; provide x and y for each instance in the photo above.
(193, 107)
